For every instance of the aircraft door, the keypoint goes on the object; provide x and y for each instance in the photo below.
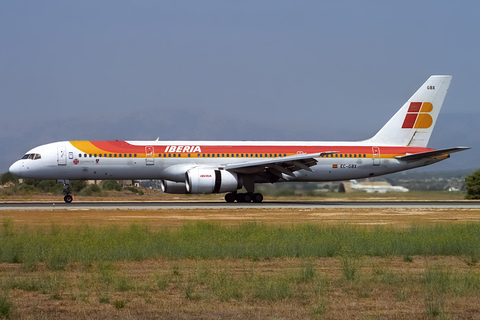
(150, 155)
(61, 156)
(376, 156)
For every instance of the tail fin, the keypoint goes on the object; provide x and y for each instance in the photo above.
(413, 124)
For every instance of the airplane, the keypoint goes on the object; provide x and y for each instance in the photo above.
(204, 167)
(376, 188)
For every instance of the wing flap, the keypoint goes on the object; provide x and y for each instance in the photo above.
(286, 165)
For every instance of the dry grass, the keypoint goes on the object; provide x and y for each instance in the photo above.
(386, 288)
(177, 217)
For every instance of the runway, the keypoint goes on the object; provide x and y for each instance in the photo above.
(224, 205)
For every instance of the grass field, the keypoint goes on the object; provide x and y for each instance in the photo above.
(240, 263)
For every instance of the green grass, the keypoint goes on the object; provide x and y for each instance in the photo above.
(58, 246)
(5, 307)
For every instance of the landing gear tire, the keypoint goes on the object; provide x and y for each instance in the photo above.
(244, 197)
(240, 197)
(68, 198)
(257, 197)
(230, 197)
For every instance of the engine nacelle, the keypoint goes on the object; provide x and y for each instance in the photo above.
(200, 180)
(173, 187)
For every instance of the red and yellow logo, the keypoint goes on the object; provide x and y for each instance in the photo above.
(418, 116)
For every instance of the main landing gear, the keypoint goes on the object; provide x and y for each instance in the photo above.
(66, 191)
(244, 197)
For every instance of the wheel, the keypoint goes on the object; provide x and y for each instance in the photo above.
(247, 197)
(68, 198)
(257, 197)
(230, 197)
(240, 197)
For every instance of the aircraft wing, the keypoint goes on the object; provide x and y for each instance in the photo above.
(430, 154)
(277, 166)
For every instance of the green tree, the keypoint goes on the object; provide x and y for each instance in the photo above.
(111, 185)
(77, 185)
(8, 177)
(473, 185)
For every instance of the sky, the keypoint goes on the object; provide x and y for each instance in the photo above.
(277, 70)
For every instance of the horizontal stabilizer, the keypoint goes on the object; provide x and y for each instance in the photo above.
(430, 154)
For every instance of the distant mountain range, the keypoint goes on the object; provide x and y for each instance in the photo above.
(17, 138)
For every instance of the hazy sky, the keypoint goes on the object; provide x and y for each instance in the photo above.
(346, 64)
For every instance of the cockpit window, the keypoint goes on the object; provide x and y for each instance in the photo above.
(32, 156)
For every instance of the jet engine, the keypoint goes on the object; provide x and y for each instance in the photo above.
(173, 187)
(200, 180)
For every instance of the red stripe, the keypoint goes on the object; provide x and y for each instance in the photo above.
(415, 106)
(409, 121)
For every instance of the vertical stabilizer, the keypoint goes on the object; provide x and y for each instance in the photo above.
(413, 124)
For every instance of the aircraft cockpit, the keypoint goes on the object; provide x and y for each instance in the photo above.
(32, 156)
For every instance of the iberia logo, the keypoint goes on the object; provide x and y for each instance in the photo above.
(418, 116)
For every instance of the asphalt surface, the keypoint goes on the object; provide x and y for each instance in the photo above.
(224, 205)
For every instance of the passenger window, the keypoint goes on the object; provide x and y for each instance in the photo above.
(105, 155)
(115, 155)
(124, 155)
(90, 155)
(135, 155)
(129, 155)
(95, 155)
(119, 155)
(110, 155)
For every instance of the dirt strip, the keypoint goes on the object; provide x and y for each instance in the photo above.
(177, 217)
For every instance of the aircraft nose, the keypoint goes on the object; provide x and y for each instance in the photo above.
(16, 168)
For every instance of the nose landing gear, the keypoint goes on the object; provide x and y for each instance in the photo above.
(68, 198)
